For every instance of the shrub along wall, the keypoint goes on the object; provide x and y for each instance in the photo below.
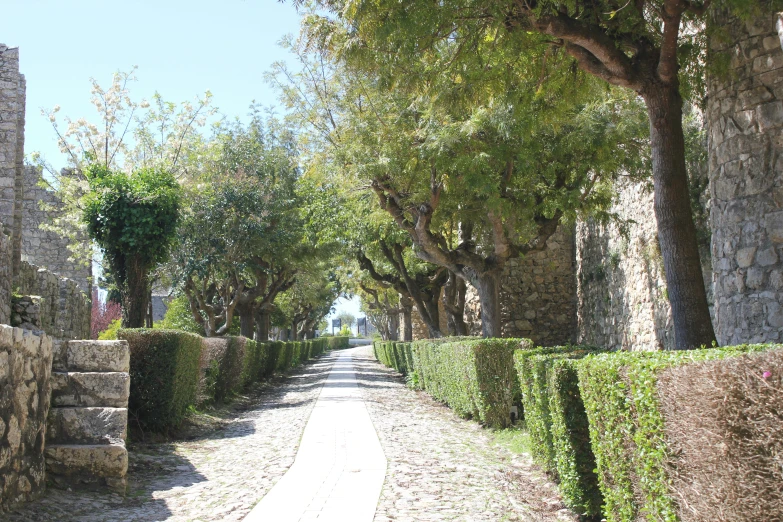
(635, 454)
(557, 422)
(164, 373)
(172, 370)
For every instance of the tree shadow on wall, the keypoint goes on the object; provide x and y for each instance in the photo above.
(605, 307)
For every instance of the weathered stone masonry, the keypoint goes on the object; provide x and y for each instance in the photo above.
(745, 132)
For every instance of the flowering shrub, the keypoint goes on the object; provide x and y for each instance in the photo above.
(103, 313)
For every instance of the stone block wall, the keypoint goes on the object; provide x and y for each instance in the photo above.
(537, 295)
(622, 301)
(65, 309)
(88, 421)
(25, 370)
(745, 145)
(43, 247)
(6, 286)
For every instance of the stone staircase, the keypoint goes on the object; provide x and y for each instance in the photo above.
(88, 419)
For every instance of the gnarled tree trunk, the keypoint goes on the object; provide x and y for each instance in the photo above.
(454, 305)
(246, 313)
(262, 325)
(488, 288)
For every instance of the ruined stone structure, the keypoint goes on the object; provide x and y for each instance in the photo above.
(44, 247)
(745, 129)
(87, 425)
(25, 369)
(81, 440)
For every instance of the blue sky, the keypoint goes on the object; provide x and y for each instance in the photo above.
(181, 47)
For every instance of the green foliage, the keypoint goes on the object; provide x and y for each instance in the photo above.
(179, 317)
(552, 405)
(474, 377)
(338, 342)
(627, 428)
(164, 371)
(225, 373)
(275, 353)
(110, 333)
(131, 215)
(574, 457)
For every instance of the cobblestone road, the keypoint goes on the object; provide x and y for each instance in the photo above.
(440, 467)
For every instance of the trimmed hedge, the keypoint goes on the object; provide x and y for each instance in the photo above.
(274, 354)
(338, 342)
(627, 428)
(475, 377)
(222, 365)
(164, 372)
(254, 364)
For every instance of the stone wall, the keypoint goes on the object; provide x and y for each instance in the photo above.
(745, 133)
(12, 107)
(25, 370)
(5, 278)
(622, 301)
(65, 309)
(46, 248)
(536, 294)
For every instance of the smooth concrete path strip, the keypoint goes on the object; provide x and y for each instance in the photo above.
(340, 467)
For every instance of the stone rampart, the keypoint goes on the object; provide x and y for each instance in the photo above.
(25, 370)
(536, 294)
(44, 247)
(64, 309)
(5, 278)
(745, 133)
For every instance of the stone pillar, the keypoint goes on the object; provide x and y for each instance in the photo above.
(745, 133)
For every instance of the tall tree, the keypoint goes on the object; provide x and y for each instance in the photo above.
(653, 47)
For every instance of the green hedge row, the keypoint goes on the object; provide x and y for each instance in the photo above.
(627, 427)
(337, 342)
(475, 377)
(595, 417)
(173, 370)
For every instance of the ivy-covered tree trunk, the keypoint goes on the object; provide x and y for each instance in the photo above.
(262, 325)
(136, 291)
(676, 230)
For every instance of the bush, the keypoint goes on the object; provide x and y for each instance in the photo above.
(724, 431)
(574, 459)
(338, 342)
(221, 365)
(254, 364)
(164, 372)
(275, 353)
(110, 333)
(475, 377)
(621, 398)
(179, 317)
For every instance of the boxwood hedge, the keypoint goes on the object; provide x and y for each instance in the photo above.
(627, 428)
(164, 372)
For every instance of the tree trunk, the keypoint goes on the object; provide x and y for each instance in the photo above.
(487, 285)
(433, 325)
(246, 319)
(407, 322)
(454, 305)
(136, 293)
(262, 325)
(293, 331)
(676, 230)
(394, 327)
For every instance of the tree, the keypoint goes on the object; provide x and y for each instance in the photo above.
(133, 219)
(500, 162)
(347, 319)
(654, 48)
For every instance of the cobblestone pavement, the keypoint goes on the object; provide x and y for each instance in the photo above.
(216, 477)
(441, 467)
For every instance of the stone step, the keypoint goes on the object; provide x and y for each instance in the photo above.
(91, 425)
(102, 460)
(90, 389)
(92, 356)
